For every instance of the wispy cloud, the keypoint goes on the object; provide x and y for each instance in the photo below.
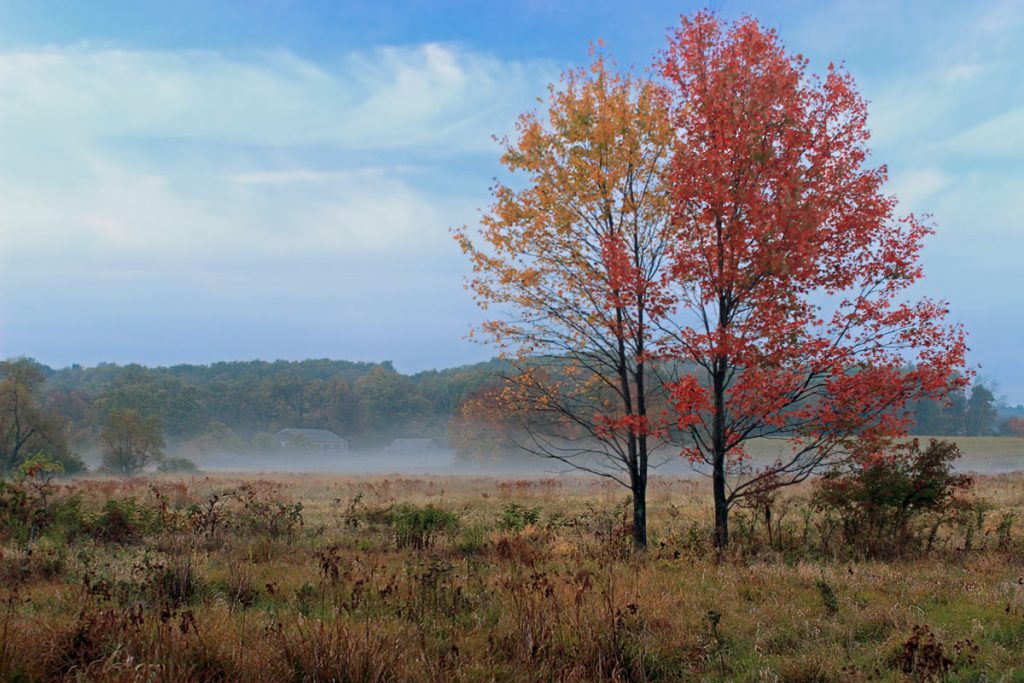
(430, 95)
(109, 152)
(1000, 137)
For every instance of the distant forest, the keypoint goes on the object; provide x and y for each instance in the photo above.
(238, 406)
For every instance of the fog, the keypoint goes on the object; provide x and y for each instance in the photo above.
(441, 461)
(997, 457)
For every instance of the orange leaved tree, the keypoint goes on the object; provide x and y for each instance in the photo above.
(792, 266)
(575, 261)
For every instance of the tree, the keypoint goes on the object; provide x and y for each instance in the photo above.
(130, 441)
(792, 266)
(333, 405)
(388, 403)
(481, 428)
(954, 409)
(1013, 426)
(218, 438)
(981, 414)
(941, 415)
(577, 260)
(150, 393)
(25, 429)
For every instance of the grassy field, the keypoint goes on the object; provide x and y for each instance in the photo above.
(989, 452)
(996, 454)
(318, 578)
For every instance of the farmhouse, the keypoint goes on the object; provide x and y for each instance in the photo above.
(317, 438)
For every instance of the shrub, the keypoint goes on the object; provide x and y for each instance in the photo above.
(124, 521)
(40, 469)
(262, 514)
(30, 509)
(878, 496)
(925, 657)
(15, 512)
(41, 561)
(177, 466)
(472, 539)
(516, 517)
(416, 527)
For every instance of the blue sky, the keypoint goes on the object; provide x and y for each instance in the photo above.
(194, 181)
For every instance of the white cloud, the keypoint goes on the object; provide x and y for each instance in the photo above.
(425, 95)
(287, 177)
(965, 72)
(915, 187)
(1000, 137)
(146, 156)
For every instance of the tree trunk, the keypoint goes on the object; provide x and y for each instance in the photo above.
(721, 504)
(640, 480)
(639, 490)
(719, 371)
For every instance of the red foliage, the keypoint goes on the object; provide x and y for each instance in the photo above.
(791, 263)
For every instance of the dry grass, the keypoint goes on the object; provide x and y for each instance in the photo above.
(216, 585)
(980, 453)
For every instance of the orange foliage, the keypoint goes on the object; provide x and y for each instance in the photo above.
(578, 254)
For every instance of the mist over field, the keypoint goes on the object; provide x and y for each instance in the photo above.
(981, 455)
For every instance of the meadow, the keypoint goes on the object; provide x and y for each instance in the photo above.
(464, 578)
(982, 454)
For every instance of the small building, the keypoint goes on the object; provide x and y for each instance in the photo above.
(316, 438)
(413, 447)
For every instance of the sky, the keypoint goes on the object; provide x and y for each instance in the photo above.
(196, 181)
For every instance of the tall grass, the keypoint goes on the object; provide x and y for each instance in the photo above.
(459, 579)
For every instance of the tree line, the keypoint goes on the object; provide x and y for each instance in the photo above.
(224, 407)
(237, 406)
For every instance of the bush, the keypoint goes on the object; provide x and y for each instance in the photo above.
(878, 496)
(263, 514)
(30, 509)
(517, 517)
(177, 466)
(40, 470)
(16, 514)
(416, 527)
(124, 521)
(472, 539)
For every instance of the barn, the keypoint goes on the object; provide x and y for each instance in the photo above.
(317, 438)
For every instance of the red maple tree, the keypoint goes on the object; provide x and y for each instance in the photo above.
(791, 266)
